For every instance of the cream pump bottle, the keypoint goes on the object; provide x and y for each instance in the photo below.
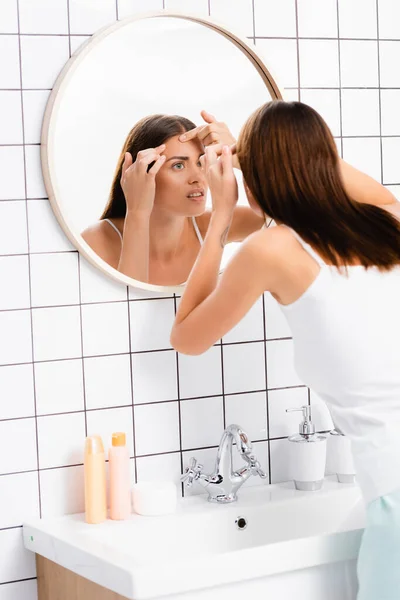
(95, 480)
(307, 454)
(118, 462)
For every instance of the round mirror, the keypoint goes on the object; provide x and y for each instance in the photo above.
(161, 64)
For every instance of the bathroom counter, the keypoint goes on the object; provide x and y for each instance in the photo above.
(201, 545)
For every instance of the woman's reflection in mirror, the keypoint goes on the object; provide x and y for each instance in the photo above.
(155, 220)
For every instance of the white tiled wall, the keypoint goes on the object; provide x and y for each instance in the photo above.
(81, 354)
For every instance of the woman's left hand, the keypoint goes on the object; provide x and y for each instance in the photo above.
(221, 180)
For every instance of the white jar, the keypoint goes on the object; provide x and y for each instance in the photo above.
(340, 458)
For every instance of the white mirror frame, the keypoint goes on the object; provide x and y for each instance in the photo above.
(50, 117)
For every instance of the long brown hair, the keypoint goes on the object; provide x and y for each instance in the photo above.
(150, 132)
(290, 164)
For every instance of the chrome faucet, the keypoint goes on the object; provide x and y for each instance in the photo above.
(224, 483)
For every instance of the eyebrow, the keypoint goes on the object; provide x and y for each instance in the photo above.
(181, 157)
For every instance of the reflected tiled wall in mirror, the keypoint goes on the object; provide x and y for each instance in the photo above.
(81, 354)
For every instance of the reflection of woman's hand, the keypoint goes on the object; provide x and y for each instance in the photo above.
(221, 179)
(215, 133)
(138, 182)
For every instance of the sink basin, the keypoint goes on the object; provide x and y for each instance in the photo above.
(284, 530)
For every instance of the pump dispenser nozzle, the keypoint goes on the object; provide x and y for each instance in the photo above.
(306, 427)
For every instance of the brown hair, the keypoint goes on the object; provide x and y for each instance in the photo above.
(150, 132)
(290, 164)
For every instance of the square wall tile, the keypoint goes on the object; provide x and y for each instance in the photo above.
(56, 333)
(273, 19)
(250, 328)
(42, 58)
(35, 187)
(276, 324)
(359, 63)
(62, 491)
(96, 287)
(12, 177)
(77, 42)
(109, 421)
(234, 14)
(156, 428)
(20, 589)
(87, 16)
(16, 392)
(10, 75)
(59, 386)
(260, 449)
(317, 19)
(389, 57)
(34, 103)
(390, 159)
(281, 423)
(195, 7)
(10, 117)
(244, 367)
(16, 337)
(151, 323)
(200, 375)
(61, 440)
(390, 112)
(24, 455)
(281, 57)
(14, 277)
(48, 16)
(280, 365)
(54, 279)
(45, 234)
(388, 19)
(327, 104)
(395, 190)
(162, 467)
(105, 328)
(279, 457)
(360, 112)
(19, 499)
(320, 413)
(319, 63)
(350, 23)
(108, 381)
(202, 422)
(364, 154)
(16, 562)
(155, 376)
(13, 234)
(127, 8)
(9, 16)
(250, 412)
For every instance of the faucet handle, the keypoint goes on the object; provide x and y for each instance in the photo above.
(192, 472)
(255, 466)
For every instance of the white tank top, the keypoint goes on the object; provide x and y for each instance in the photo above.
(196, 228)
(346, 334)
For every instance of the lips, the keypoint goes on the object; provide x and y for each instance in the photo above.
(197, 194)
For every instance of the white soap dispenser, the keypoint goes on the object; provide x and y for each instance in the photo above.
(307, 454)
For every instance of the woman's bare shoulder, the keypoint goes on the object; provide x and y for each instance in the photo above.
(101, 237)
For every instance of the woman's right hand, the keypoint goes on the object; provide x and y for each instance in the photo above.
(138, 183)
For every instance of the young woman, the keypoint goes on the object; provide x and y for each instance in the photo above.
(154, 223)
(333, 264)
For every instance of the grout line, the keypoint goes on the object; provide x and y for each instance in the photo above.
(69, 29)
(81, 338)
(340, 81)
(178, 390)
(18, 580)
(29, 260)
(379, 87)
(131, 385)
(266, 390)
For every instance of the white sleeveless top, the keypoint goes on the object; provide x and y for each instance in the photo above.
(196, 228)
(346, 334)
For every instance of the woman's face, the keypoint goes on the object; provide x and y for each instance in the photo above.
(181, 186)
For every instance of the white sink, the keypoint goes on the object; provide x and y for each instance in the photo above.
(151, 557)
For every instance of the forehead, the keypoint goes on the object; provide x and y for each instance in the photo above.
(192, 148)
